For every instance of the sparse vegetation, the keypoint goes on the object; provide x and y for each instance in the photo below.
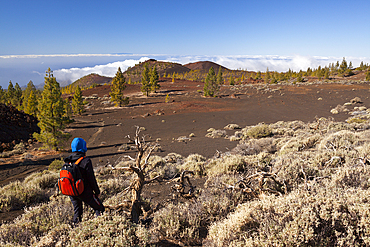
(284, 184)
(305, 184)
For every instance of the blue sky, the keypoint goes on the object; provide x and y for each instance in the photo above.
(176, 30)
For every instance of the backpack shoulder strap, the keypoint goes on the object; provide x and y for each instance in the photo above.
(79, 160)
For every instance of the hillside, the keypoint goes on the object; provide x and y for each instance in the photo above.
(204, 66)
(134, 73)
(15, 126)
(92, 79)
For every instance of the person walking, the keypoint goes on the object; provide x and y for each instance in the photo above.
(91, 193)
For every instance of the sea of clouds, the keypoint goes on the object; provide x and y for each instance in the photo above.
(68, 68)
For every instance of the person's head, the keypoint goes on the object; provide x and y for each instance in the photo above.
(78, 145)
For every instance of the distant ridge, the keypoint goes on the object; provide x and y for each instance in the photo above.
(133, 74)
(92, 79)
(204, 66)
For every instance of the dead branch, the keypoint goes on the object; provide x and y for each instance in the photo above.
(153, 179)
(124, 205)
(180, 187)
(245, 184)
(329, 162)
(137, 206)
(305, 178)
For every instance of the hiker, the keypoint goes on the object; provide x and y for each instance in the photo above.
(91, 192)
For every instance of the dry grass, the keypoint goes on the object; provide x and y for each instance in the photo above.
(36, 188)
(315, 194)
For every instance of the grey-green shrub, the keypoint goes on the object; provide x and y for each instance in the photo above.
(259, 131)
(34, 189)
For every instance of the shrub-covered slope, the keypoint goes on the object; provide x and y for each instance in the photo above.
(285, 184)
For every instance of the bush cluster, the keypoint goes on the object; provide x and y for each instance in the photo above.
(285, 184)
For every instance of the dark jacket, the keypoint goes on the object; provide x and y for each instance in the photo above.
(87, 172)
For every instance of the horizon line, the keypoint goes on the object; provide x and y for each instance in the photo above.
(176, 55)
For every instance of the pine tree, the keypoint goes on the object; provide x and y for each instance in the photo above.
(17, 99)
(51, 114)
(258, 75)
(299, 77)
(77, 102)
(26, 94)
(67, 109)
(267, 76)
(343, 67)
(232, 81)
(319, 73)
(211, 86)
(368, 75)
(10, 94)
(117, 87)
(2, 95)
(326, 74)
(145, 81)
(154, 79)
(220, 80)
(31, 107)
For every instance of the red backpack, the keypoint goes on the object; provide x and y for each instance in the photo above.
(70, 182)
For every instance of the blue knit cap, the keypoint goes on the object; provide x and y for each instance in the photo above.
(78, 145)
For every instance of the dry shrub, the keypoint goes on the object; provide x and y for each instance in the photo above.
(181, 222)
(231, 127)
(327, 217)
(356, 120)
(294, 168)
(188, 222)
(238, 135)
(18, 149)
(50, 225)
(341, 108)
(108, 230)
(195, 163)
(351, 177)
(44, 180)
(56, 165)
(337, 126)
(174, 158)
(296, 144)
(114, 185)
(225, 165)
(37, 222)
(341, 139)
(259, 131)
(216, 134)
(158, 167)
(255, 146)
(34, 189)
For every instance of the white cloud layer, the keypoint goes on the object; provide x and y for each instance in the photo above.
(66, 76)
(251, 63)
(70, 67)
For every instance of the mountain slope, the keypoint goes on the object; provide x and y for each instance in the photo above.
(91, 79)
(204, 66)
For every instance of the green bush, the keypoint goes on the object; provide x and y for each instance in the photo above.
(259, 131)
(56, 165)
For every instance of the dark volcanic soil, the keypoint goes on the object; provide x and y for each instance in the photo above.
(15, 126)
(105, 127)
